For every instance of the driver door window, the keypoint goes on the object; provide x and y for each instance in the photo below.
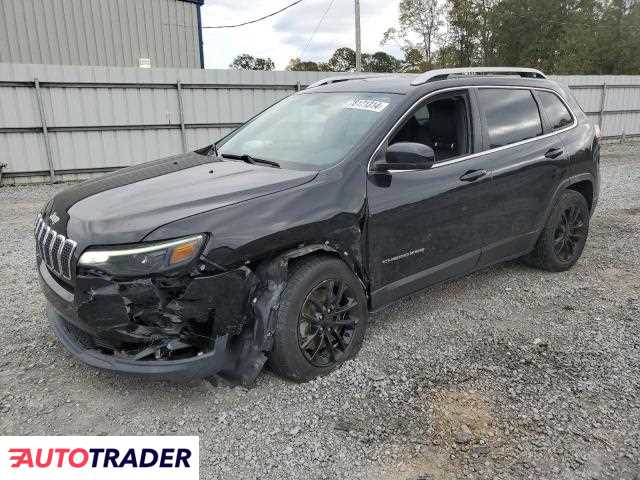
(442, 124)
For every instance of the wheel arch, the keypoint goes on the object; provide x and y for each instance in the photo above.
(284, 258)
(583, 183)
(585, 188)
(273, 274)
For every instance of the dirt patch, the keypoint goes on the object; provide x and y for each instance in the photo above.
(632, 211)
(462, 418)
(463, 426)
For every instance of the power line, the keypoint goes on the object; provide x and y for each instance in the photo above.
(316, 30)
(258, 19)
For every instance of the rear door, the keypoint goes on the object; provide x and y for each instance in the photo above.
(526, 159)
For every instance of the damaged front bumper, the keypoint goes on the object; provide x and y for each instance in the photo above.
(79, 343)
(174, 329)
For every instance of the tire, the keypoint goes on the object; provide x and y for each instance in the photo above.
(567, 226)
(303, 301)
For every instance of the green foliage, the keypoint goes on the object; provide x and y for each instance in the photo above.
(297, 65)
(556, 36)
(380, 62)
(344, 60)
(421, 20)
(248, 62)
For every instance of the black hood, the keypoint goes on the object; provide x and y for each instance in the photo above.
(125, 206)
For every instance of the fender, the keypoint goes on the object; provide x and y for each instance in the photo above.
(250, 349)
(564, 185)
(273, 275)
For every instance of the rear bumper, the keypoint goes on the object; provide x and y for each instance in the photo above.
(74, 340)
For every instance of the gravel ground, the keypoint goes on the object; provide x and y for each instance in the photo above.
(507, 373)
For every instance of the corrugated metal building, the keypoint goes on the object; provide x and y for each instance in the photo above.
(102, 32)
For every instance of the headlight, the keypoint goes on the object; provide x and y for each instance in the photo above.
(143, 259)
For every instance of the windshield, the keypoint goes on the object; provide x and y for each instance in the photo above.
(310, 131)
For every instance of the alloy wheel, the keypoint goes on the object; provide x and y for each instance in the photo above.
(570, 233)
(327, 323)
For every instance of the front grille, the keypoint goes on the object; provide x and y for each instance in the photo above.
(55, 250)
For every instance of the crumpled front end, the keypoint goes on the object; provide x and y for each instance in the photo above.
(174, 327)
(163, 317)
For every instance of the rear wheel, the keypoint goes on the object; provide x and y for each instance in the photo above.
(322, 319)
(564, 236)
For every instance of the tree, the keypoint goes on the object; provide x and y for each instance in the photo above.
(297, 65)
(248, 62)
(380, 62)
(342, 60)
(417, 18)
(556, 36)
(618, 38)
(414, 61)
(470, 37)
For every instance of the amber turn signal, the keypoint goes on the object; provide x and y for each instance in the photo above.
(184, 252)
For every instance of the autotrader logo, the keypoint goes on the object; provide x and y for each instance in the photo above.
(70, 458)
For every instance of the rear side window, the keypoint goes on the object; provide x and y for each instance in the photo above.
(511, 115)
(557, 113)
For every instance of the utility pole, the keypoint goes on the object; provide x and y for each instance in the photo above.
(358, 39)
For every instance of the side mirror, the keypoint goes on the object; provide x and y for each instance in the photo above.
(407, 156)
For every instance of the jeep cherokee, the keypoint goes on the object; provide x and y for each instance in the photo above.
(275, 243)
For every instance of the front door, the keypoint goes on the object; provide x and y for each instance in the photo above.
(427, 226)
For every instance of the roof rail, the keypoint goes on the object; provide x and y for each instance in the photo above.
(434, 75)
(337, 79)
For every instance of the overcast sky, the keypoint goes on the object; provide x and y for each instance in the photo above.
(285, 36)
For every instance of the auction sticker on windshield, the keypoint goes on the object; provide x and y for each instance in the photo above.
(99, 458)
(365, 104)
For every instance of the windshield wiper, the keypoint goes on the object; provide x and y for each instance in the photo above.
(249, 159)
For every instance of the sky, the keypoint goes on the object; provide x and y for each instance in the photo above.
(286, 35)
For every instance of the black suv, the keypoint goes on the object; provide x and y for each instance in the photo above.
(275, 243)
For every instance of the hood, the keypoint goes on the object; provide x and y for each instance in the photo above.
(127, 205)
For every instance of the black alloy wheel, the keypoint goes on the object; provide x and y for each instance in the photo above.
(564, 235)
(327, 323)
(571, 233)
(322, 319)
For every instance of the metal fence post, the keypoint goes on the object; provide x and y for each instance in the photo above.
(298, 86)
(603, 104)
(45, 131)
(181, 116)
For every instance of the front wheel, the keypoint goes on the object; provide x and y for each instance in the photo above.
(564, 236)
(322, 319)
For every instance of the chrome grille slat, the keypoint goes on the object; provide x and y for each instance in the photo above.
(40, 238)
(57, 243)
(46, 245)
(54, 249)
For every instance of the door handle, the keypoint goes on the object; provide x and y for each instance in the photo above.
(554, 153)
(473, 175)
